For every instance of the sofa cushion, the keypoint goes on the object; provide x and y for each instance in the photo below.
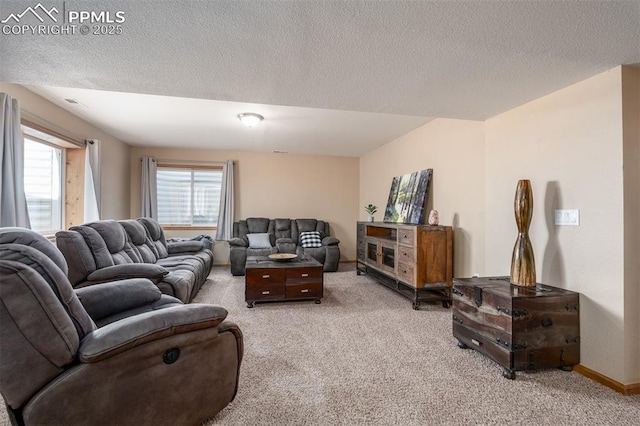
(258, 225)
(310, 239)
(139, 239)
(282, 228)
(259, 241)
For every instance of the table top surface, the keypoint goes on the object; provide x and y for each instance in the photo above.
(254, 262)
(501, 285)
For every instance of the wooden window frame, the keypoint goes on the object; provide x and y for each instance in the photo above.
(72, 170)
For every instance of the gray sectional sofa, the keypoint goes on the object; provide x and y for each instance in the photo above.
(108, 250)
(116, 353)
(259, 236)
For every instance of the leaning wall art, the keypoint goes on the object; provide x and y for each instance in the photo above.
(407, 197)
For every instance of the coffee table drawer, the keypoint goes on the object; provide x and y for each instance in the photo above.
(264, 291)
(306, 290)
(264, 275)
(303, 275)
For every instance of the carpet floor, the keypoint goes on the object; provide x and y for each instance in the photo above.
(365, 357)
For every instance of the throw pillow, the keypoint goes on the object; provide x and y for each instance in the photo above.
(310, 239)
(259, 241)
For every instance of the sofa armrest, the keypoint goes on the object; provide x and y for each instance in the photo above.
(128, 270)
(330, 241)
(190, 246)
(128, 333)
(237, 242)
(106, 299)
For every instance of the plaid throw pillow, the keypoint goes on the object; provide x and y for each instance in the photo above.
(310, 239)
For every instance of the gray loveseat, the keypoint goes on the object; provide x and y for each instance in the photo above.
(107, 250)
(259, 236)
(63, 364)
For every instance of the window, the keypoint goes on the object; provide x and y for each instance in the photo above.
(188, 196)
(43, 185)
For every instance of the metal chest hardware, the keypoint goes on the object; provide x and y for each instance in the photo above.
(477, 295)
(512, 313)
(508, 345)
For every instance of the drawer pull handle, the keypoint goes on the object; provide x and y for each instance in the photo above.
(304, 275)
(265, 292)
(304, 291)
(475, 342)
(266, 276)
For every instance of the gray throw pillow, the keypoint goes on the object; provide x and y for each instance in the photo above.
(259, 241)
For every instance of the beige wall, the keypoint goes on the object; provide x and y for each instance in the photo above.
(569, 144)
(115, 154)
(454, 149)
(276, 185)
(631, 161)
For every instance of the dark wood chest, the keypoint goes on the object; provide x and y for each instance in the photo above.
(267, 280)
(520, 328)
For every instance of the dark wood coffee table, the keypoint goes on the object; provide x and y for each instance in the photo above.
(267, 280)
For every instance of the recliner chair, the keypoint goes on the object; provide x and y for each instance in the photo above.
(177, 364)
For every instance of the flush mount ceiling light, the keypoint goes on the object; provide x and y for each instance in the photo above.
(250, 119)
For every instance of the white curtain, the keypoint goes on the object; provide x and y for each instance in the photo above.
(225, 213)
(13, 201)
(92, 184)
(149, 188)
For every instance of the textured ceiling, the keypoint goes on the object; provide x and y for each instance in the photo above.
(398, 59)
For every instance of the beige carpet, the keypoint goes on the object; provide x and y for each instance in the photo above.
(364, 357)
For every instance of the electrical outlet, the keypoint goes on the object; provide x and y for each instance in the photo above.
(567, 217)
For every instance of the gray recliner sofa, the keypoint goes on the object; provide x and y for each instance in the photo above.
(258, 236)
(106, 250)
(175, 364)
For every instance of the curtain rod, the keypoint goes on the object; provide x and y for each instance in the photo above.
(160, 160)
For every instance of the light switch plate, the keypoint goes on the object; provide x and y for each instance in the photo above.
(567, 217)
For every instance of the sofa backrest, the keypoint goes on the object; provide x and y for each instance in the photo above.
(109, 243)
(77, 254)
(139, 238)
(308, 225)
(156, 242)
(279, 228)
(94, 246)
(254, 225)
(282, 228)
(42, 319)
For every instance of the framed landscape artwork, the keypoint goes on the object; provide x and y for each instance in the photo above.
(407, 197)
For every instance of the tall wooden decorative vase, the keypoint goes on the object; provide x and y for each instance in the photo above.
(523, 266)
